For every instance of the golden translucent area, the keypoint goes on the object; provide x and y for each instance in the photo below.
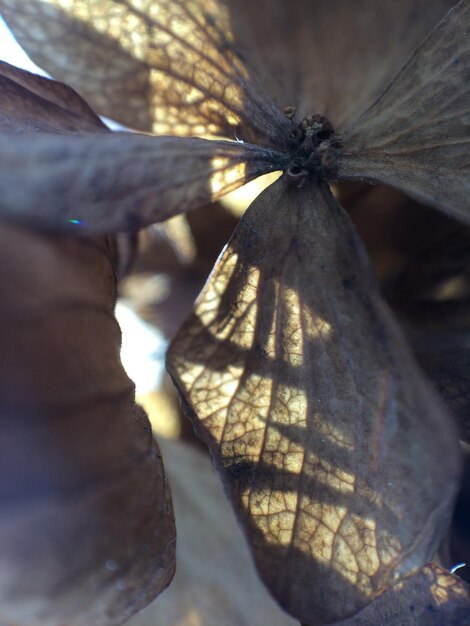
(225, 176)
(326, 474)
(292, 349)
(193, 88)
(252, 419)
(274, 514)
(245, 307)
(443, 588)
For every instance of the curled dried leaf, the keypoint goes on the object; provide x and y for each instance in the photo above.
(83, 494)
(30, 103)
(84, 498)
(416, 135)
(340, 460)
(119, 181)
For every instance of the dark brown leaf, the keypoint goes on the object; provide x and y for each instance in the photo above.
(331, 57)
(340, 460)
(169, 67)
(431, 597)
(108, 76)
(30, 103)
(416, 136)
(444, 354)
(86, 524)
(119, 181)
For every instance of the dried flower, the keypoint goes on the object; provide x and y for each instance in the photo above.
(80, 470)
(341, 461)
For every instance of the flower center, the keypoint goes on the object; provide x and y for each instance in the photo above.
(315, 147)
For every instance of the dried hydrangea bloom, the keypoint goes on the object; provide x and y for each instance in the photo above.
(340, 460)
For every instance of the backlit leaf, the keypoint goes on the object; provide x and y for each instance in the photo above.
(166, 66)
(118, 181)
(416, 136)
(431, 597)
(339, 459)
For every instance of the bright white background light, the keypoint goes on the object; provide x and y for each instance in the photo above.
(12, 53)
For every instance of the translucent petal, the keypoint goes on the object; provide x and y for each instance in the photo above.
(167, 66)
(339, 459)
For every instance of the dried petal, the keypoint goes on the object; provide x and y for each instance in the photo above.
(431, 597)
(166, 66)
(120, 181)
(339, 458)
(83, 494)
(112, 79)
(216, 583)
(30, 102)
(416, 135)
(331, 57)
(86, 524)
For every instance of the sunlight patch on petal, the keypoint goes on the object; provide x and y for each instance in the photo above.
(312, 452)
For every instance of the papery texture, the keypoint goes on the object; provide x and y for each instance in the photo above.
(431, 597)
(119, 181)
(30, 103)
(86, 522)
(339, 459)
(416, 136)
(167, 66)
(331, 57)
